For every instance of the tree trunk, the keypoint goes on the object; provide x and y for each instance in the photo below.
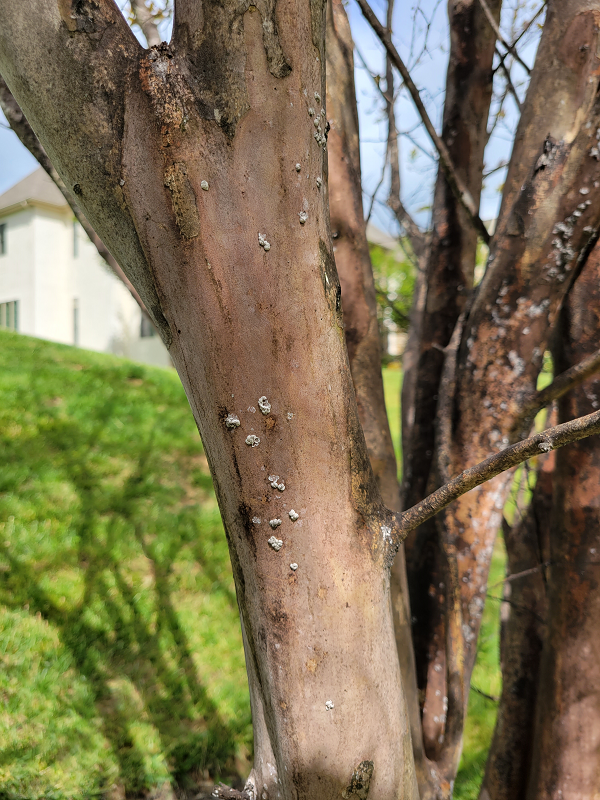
(567, 736)
(523, 631)
(359, 307)
(184, 159)
(450, 265)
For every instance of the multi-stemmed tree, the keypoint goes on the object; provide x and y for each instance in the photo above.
(202, 166)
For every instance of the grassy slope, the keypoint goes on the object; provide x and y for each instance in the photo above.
(120, 650)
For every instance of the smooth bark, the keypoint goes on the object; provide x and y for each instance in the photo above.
(361, 327)
(244, 321)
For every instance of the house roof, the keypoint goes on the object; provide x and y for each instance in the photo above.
(379, 237)
(35, 189)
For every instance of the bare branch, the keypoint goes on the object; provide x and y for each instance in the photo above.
(529, 24)
(563, 383)
(145, 19)
(418, 240)
(509, 83)
(22, 128)
(498, 167)
(89, 79)
(549, 439)
(454, 180)
(510, 47)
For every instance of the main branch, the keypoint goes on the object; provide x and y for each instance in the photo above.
(17, 121)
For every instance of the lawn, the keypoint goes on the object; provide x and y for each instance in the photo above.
(121, 655)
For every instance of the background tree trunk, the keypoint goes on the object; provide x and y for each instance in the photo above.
(567, 733)
(361, 328)
(448, 281)
(523, 631)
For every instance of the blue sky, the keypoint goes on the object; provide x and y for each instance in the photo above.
(421, 36)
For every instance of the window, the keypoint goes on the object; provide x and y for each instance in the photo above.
(147, 328)
(9, 315)
(2, 239)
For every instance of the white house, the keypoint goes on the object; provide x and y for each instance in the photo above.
(54, 285)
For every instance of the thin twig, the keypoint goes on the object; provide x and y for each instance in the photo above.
(549, 439)
(498, 167)
(510, 47)
(529, 24)
(454, 180)
(417, 238)
(509, 83)
(563, 383)
(490, 697)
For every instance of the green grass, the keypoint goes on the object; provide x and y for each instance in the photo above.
(120, 648)
(121, 663)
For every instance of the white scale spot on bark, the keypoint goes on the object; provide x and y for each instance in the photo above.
(276, 483)
(294, 566)
(387, 533)
(584, 190)
(293, 515)
(298, 167)
(289, 415)
(264, 405)
(252, 440)
(251, 409)
(311, 111)
(303, 217)
(319, 183)
(231, 421)
(262, 242)
(545, 447)
(329, 705)
(317, 97)
(274, 523)
(204, 185)
(275, 543)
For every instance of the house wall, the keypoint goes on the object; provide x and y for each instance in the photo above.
(66, 293)
(53, 294)
(17, 268)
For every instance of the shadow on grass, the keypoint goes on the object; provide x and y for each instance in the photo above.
(132, 560)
